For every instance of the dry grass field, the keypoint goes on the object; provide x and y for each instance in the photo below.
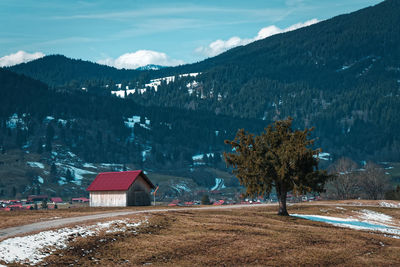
(22, 217)
(240, 237)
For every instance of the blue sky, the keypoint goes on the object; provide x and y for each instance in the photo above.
(132, 33)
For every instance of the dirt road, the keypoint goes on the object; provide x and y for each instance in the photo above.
(40, 226)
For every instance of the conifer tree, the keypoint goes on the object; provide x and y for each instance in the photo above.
(280, 158)
(40, 147)
(53, 173)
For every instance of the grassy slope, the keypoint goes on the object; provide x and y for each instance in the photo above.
(236, 237)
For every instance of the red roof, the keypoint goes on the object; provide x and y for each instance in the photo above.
(116, 181)
(56, 199)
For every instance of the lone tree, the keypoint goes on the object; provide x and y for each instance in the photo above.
(279, 157)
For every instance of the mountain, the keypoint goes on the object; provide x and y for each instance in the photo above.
(341, 75)
(57, 140)
(58, 70)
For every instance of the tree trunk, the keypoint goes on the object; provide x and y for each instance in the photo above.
(282, 201)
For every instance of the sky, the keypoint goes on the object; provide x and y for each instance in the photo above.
(133, 33)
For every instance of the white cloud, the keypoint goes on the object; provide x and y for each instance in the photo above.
(140, 58)
(219, 46)
(19, 57)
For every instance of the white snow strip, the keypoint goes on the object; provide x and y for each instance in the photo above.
(35, 164)
(219, 184)
(389, 205)
(62, 181)
(89, 165)
(111, 165)
(181, 187)
(201, 156)
(353, 224)
(323, 156)
(145, 153)
(76, 172)
(71, 154)
(130, 122)
(32, 249)
(370, 215)
(63, 122)
(40, 179)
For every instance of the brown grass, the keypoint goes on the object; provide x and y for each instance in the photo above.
(22, 217)
(242, 237)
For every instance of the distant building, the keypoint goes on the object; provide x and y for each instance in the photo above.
(79, 200)
(120, 189)
(37, 198)
(56, 200)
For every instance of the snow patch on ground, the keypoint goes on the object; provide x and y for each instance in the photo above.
(130, 122)
(323, 156)
(351, 223)
(72, 155)
(389, 205)
(89, 165)
(145, 153)
(62, 181)
(219, 184)
(201, 156)
(40, 179)
(76, 172)
(370, 215)
(182, 187)
(35, 164)
(32, 249)
(13, 121)
(63, 122)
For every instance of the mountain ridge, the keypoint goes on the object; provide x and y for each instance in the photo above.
(340, 75)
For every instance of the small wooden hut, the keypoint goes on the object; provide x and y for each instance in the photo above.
(120, 189)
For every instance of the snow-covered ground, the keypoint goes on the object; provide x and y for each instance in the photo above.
(219, 184)
(35, 164)
(32, 249)
(369, 215)
(154, 84)
(323, 156)
(145, 152)
(76, 172)
(14, 121)
(130, 122)
(40, 179)
(362, 220)
(181, 187)
(89, 165)
(201, 156)
(389, 205)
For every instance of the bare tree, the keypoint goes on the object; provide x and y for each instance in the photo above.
(344, 184)
(373, 181)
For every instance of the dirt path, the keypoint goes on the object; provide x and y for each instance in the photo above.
(40, 226)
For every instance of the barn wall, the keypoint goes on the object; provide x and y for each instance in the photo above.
(108, 199)
(139, 193)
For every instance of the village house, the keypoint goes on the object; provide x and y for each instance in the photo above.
(120, 189)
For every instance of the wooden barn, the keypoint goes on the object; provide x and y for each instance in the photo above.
(120, 189)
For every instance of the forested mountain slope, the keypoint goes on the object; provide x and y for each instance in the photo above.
(341, 75)
(71, 130)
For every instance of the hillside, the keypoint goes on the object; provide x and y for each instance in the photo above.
(58, 70)
(341, 75)
(55, 142)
